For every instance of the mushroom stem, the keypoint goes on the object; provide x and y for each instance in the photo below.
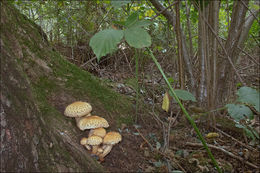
(87, 147)
(91, 132)
(99, 151)
(107, 149)
(94, 149)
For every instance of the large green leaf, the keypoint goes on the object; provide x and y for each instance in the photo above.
(142, 23)
(105, 42)
(238, 112)
(118, 4)
(184, 95)
(250, 96)
(131, 20)
(137, 37)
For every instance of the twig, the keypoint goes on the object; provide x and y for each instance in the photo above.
(250, 56)
(129, 65)
(224, 151)
(250, 11)
(164, 10)
(92, 59)
(153, 149)
(241, 143)
(150, 145)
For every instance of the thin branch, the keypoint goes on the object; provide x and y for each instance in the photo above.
(224, 151)
(250, 11)
(253, 59)
(241, 143)
(163, 10)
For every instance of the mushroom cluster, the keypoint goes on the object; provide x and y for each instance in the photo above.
(98, 140)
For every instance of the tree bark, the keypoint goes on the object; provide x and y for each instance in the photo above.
(172, 20)
(179, 41)
(226, 76)
(35, 137)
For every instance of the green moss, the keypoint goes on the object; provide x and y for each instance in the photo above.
(128, 120)
(83, 83)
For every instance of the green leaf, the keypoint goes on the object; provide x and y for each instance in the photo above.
(171, 80)
(132, 19)
(105, 42)
(142, 23)
(250, 96)
(122, 23)
(137, 37)
(184, 95)
(238, 112)
(118, 4)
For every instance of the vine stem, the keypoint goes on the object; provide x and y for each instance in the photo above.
(185, 112)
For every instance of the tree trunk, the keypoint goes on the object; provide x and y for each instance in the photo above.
(35, 137)
(179, 41)
(212, 61)
(226, 76)
(172, 20)
(189, 27)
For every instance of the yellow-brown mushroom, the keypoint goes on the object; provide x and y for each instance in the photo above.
(109, 141)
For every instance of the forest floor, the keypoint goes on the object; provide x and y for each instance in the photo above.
(149, 146)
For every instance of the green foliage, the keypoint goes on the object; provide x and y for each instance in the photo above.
(118, 3)
(249, 96)
(184, 95)
(246, 97)
(137, 37)
(105, 42)
(239, 112)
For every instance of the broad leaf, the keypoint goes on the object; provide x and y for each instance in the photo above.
(132, 19)
(122, 23)
(250, 96)
(118, 4)
(142, 23)
(137, 37)
(105, 42)
(184, 95)
(238, 112)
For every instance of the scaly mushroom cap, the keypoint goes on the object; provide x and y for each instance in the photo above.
(95, 141)
(83, 141)
(109, 140)
(91, 122)
(98, 132)
(112, 138)
(78, 109)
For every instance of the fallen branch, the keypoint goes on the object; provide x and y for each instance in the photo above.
(224, 151)
(241, 143)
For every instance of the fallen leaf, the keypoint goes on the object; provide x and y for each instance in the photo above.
(166, 102)
(212, 135)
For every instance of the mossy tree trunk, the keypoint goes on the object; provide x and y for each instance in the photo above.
(34, 135)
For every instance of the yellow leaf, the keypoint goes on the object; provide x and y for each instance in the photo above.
(212, 135)
(149, 13)
(166, 102)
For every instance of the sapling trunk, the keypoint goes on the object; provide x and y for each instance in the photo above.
(185, 112)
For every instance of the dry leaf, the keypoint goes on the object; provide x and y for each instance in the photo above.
(212, 135)
(166, 102)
